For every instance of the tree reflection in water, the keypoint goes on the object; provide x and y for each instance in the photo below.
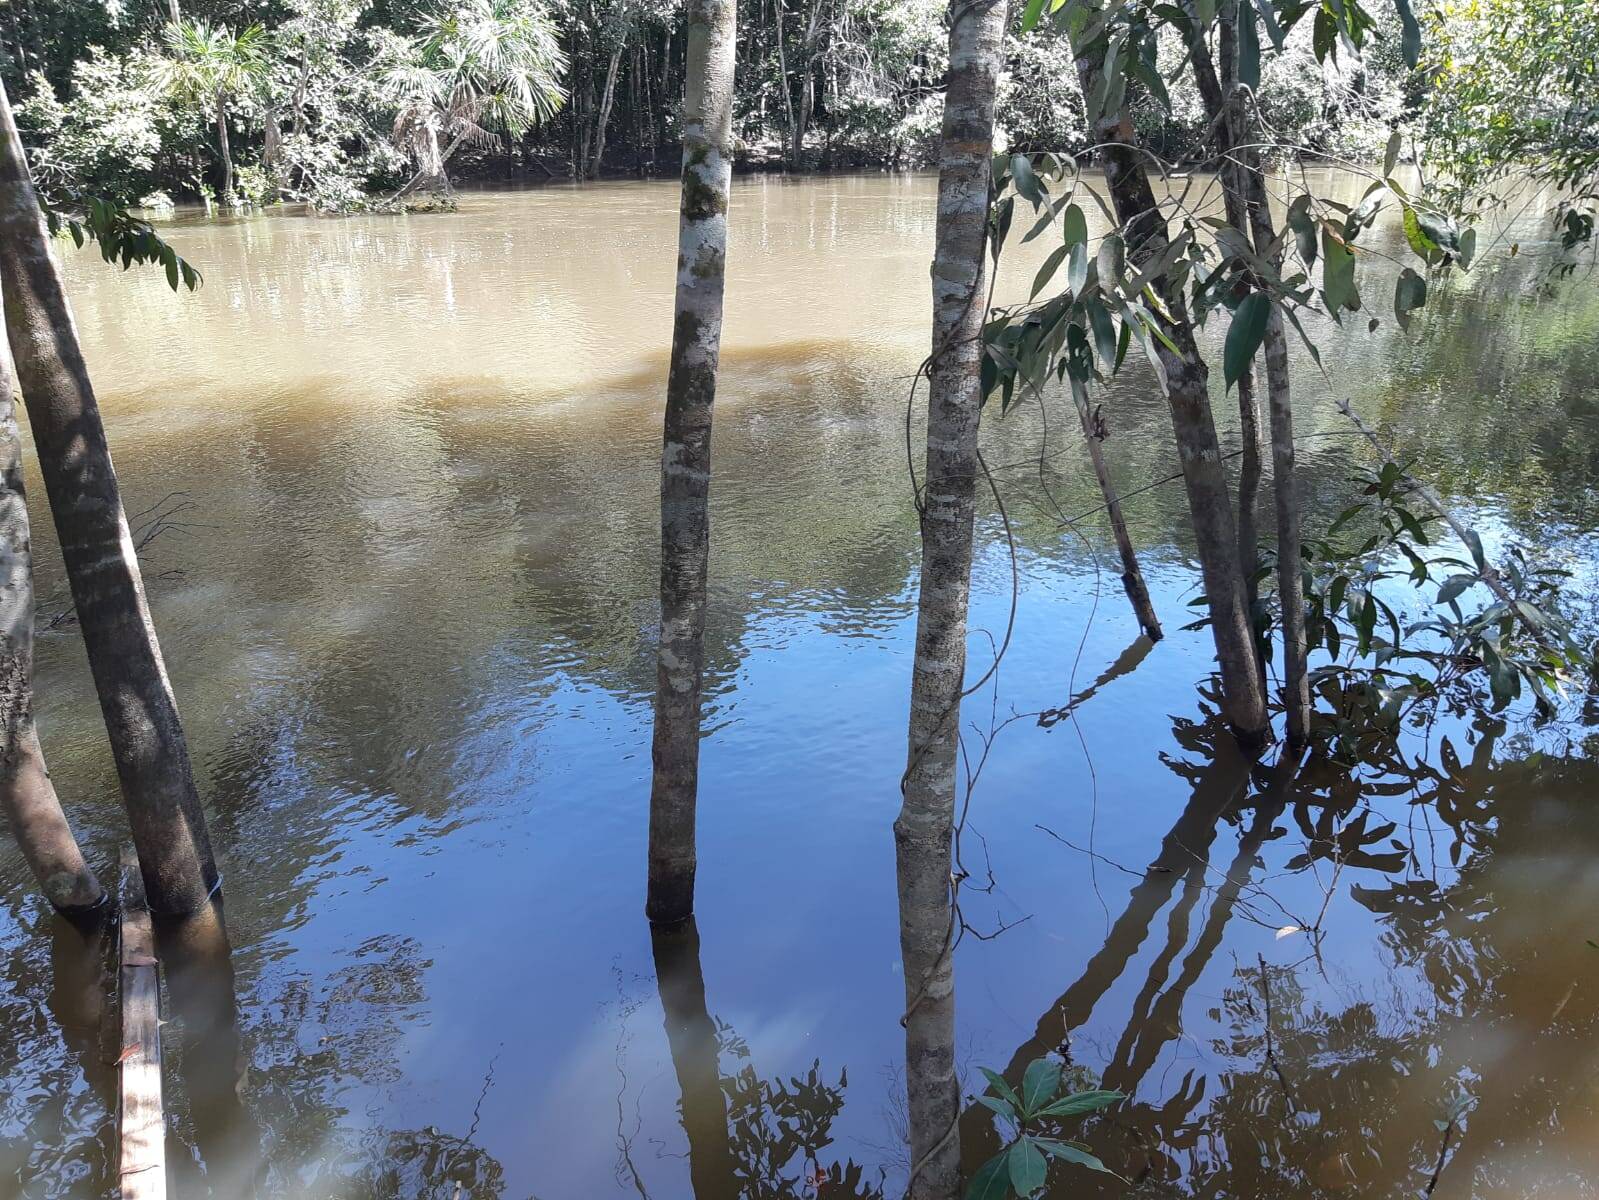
(1456, 1073)
(749, 1138)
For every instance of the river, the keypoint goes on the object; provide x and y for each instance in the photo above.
(408, 471)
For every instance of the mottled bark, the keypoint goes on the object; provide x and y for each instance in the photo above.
(925, 827)
(1132, 574)
(136, 698)
(686, 455)
(1209, 504)
(27, 797)
(691, 1036)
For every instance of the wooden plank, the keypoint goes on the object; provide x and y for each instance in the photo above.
(141, 1125)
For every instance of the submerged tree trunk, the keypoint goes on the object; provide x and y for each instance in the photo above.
(27, 796)
(925, 826)
(686, 455)
(1209, 505)
(141, 716)
(225, 149)
(1132, 574)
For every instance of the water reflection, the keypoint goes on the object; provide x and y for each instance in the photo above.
(410, 639)
(749, 1137)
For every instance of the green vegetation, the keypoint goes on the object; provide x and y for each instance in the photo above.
(338, 103)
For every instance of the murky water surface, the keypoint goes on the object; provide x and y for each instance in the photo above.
(408, 474)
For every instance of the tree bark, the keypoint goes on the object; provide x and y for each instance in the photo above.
(925, 826)
(27, 796)
(1132, 574)
(686, 455)
(141, 716)
(603, 119)
(1193, 424)
(1244, 186)
(224, 148)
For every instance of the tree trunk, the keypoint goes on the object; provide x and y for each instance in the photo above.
(686, 455)
(27, 796)
(1244, 185)
(141, 716)
(1194, 426)
(603, 119)
(780, 13)
(1132, 575)
(224, 148)
(925, 826)
(691, 1036)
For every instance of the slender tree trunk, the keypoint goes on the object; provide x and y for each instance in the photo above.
(1244, 185)
(1209, 504)
(224, 148)
(925, 826)
(686, 454)
(174, 12)
(1132, 575)
(27, 796)
(691, 1036)
(141, 716)
(1249, 470)
(789, 123)
(607, 97)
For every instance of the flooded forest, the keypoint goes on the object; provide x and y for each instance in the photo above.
(814, 599)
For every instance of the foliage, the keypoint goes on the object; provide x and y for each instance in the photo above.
(1515, 87)
(1033, 1116)
(121, 237)
(1387, 666)
(477, 66)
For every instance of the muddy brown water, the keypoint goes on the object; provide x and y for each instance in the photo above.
(407, 474)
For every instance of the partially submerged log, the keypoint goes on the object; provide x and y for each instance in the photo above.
(141, 1124)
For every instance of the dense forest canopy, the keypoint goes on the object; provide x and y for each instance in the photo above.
(333, 102)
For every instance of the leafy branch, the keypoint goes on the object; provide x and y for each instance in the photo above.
(1033, 1114)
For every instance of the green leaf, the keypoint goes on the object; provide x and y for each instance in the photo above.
(1111, 259)
(1245, 334)
(1077, 268)
(1074, 226)
(1468, 247)
(1040, 1084)
(1474, 544)
(992, 1180)
(1248, 47)
(1099, 319)
(1000, 1105)
(1034, 10)
(1026, 182)
(1410, 293)
(1028, 1170)
(1045, 272)
(1002, 1088)
(1080, 1103)
(1067, 1152)
(1337, 273)
(1390, 158)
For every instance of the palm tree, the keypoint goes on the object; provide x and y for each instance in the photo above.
(475, 67)
(209, 66)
